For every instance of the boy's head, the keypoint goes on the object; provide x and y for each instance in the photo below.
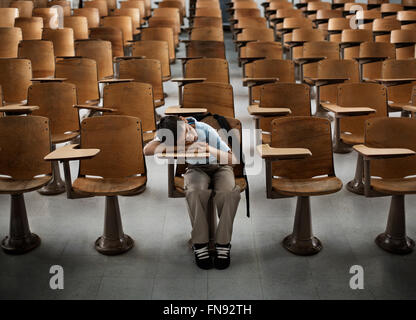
(182, 131)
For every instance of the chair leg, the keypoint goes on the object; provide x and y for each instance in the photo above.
(56, 185)
(113, 241)
(338, 146)
(301, 241)
(394, 239)
(20, 239)
(357, 184)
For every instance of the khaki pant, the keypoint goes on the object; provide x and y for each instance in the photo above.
(202, 182)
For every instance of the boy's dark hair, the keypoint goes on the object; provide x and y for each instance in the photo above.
(170, 123)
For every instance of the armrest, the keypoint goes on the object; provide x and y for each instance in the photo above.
(184, 81)
(319, 82)
(115, 80)
(395, 82)
(94, 108)
(184, 59)
(71, 152)
(258, 81)
(179, 110)
(245, 60)
(255, 110)
(181, 155)
(306, 60)
(115, 59)
(347, 111)
(268, 152)
(409, 108)
(18, 109)
(382, 153)
(49, 79)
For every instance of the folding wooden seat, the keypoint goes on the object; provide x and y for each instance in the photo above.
(49, 16)
(383, 27)
(409, 4)
(25, 8)
(208, 12)
(371, 56)
(246, 23)
(323, 16)
(154, 49)
(308, 170)
(171, 13)
(63, 41)
(390, 9)
(313, 7)
(205, 49)
(41, 55)
(134, 4)
(9, 39)
(330, 73)
(173, 4)
(79, 25)
(300, 37)
(166, 22)
(404, 40)
(111, 4)
(272, 11)
(277, 100)
(200, 22)
(133, 99)
(292, 23)
(312, 53)
(101, 5)
(114, 35)
(133, 13)
(83, 73)
(31, 27)
(115, 166)
(399, 76)
(207, 34)
(15, 79)
(64, 4)
(56, 101)
(268, 71)
(147, 71)
(350, 42)
(407, 19)
(27, 172)
(364, 18)
(7, 17)
(92, 15)
(259, 50)
(277, 19)
(250, 35)
(389, 169)
(213, 97)
(124, 23)
(100, 51)
(335, 28)
(162, 34)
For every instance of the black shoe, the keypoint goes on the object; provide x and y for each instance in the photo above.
(202, 257)
(222, 257)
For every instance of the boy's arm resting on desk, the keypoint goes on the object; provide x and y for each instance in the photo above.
(223, 157)
(150, 148)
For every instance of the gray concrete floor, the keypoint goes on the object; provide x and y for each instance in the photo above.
(161, 266)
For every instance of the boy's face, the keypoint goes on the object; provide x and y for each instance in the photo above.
(188, 134)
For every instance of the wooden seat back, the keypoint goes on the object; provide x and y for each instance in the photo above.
(63, 41)
(375, 49)
(154, 49)
(55, 101)
(26, 149)
(397, 69)
(79, 24)
(49, 16)
(327, 49)
(303, 132)
(15, 79)
(9, 39)
(119, 139)
(124, 23)
(133, 13)
(83, 73)
(163, 34)
(216, 97)
(207, 49)
(41, 55)
(114, 35)
(213, 69)
(92, 15)
(25, 8)
(207, 34)
(100, 51)
(31, 27)
(101, 5)
(147, 71)
(7, 17)
(392, 133)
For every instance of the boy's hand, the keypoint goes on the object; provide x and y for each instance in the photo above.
(198, 147)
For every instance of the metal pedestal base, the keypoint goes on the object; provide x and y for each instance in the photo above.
(20, 239)
(113, 241)
(56, 185)
(301, 241)
(394, 239)
(357, 184)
